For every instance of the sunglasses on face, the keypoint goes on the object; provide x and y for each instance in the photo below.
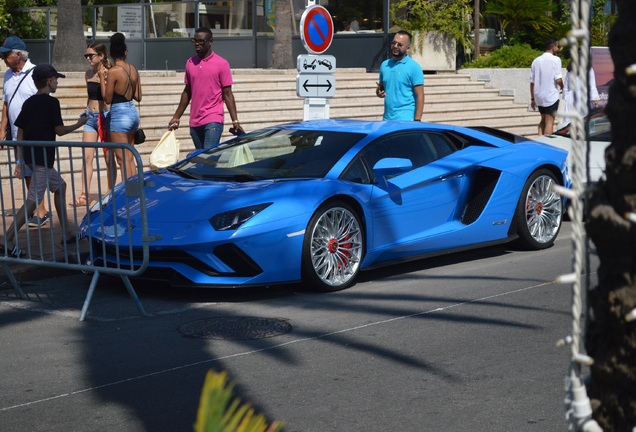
(4, 55)
(199, 41)
(89, 56)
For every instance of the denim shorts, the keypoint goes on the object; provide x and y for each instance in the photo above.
(91, 124)
(124, 117)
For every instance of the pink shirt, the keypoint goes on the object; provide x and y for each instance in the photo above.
(206, 78)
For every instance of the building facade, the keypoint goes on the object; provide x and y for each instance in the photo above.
(158, 34)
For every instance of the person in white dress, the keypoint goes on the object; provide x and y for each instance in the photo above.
(570, 87)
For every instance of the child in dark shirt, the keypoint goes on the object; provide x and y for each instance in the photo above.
(41, 120)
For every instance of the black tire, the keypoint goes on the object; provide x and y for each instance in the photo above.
(539, 212)
(333, 247)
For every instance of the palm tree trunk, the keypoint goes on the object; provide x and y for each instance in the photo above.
(282, 50)
(476, 31)
(70, 42)
(611, 334)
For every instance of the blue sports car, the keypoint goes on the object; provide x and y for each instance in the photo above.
(318, 201)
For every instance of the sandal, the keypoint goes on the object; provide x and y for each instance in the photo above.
(80, 201)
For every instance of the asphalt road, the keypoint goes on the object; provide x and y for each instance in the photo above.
(459, 343)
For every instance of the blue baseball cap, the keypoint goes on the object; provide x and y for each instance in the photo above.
(12, 43)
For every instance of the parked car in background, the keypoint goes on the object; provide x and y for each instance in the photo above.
(319, 201)
(600, 138)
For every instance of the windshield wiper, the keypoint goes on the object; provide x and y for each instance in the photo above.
(183, 173)
(239, 177)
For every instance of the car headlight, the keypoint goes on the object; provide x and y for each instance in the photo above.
(233, 219)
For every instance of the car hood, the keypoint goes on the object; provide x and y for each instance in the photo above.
(174, 199)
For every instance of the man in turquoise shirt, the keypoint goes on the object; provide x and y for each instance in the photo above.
(401, 82)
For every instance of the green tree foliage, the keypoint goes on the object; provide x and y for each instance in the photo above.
(17, 22)
(512, 56)
(450, 17)
(524, 20)
(14, 21)
(600, 24)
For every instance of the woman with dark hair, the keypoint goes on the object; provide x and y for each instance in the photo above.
(121, 86)
(96, 128)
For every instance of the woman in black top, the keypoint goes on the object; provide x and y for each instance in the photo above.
(97, 126)
(120, 87)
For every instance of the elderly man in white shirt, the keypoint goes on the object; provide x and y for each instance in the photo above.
(546, 82)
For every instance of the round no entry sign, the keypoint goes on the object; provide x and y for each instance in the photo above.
(316, 29)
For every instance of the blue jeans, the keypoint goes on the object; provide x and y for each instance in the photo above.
(206, 136)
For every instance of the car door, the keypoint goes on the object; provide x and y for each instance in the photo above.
(416, 205)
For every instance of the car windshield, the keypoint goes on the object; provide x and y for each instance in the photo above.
(271, 154)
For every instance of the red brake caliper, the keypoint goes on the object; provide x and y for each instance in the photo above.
(333, 246)
(538, 208)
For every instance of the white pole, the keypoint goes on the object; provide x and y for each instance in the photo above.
(293, 19)
(152, 19)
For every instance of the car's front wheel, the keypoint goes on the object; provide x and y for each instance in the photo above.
(540, 211)
(333, 247)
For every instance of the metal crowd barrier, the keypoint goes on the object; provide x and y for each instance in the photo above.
(45, 246)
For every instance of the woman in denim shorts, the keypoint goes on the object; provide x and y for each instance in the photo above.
(121, 86)
(96, 128)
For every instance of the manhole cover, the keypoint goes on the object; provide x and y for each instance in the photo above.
(235, 328)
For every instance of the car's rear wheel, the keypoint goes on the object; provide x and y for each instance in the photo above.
(333, 247)
(540, 211)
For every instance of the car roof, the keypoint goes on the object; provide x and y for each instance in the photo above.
(362, 126)
(376, 128)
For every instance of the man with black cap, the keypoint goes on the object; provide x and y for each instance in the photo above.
(41, 120)
(18, 87)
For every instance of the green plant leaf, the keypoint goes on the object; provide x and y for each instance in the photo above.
(217, 414)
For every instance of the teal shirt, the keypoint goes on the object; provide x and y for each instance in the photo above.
(399, 80)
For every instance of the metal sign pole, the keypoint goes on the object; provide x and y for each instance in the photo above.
(315, 80)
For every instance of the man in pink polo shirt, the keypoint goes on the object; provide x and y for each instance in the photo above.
(208, 83)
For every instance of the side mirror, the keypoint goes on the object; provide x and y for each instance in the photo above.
(390, 167)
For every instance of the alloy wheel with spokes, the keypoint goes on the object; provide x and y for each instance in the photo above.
(333, 247)
(540, 211)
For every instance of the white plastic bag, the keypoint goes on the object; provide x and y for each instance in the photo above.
(166, 152)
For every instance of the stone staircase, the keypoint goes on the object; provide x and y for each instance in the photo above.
(268, 97)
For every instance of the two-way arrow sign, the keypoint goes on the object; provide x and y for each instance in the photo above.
(315, 85)
(327, 85)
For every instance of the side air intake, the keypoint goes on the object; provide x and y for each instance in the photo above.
(483, 186)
